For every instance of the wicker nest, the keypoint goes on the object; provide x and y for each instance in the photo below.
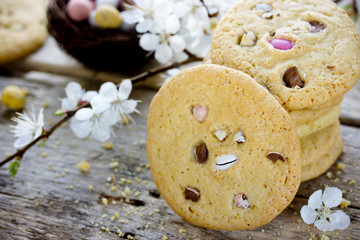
(97, 48)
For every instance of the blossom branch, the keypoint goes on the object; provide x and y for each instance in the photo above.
(69, 114)
(45, 135)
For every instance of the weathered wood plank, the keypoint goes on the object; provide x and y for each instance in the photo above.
(350, 107)
(47, 201)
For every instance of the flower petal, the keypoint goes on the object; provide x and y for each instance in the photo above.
(81, 129)
(172, 24)
(315, 201)
(68, 104)
(89, 95)
(108, 90)
(99, 104)
(101, 133)
(125, 89)
(332, 197)
(38, 132)
(40, 120)
(84, 114)
(144, 26)
(324, 225)
(163, 53)
(177, 43)
(74, 90)
(342, 220)
(129, 106)
(149, 42)
(308, 214)
(132, 16)
(23, 141)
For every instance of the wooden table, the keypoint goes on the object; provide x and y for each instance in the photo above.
(51, 198)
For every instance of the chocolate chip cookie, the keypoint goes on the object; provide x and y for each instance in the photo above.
(222, 151)
(305, 52)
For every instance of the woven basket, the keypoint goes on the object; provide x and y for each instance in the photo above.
(97, 48)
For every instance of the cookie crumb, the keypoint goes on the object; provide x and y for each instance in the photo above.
(344, 203)
(182, 230)
(340, 166)
(164, 237)
(114, 164)
(44, 154)
(90, 188)
(104, 201)
(84, 166)
(108, 145)
(329, 175)
(324, 237)
(352, 182)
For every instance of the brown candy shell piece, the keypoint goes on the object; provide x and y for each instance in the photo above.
(201, 153)
(316, 26)
(192, 194)
(274, 156)
(292, 78)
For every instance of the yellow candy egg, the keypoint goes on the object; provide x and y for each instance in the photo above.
(107, 16)
(14, 97)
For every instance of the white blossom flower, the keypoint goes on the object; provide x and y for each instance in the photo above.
(219, 8)
(116, 101)
(28, 127)
(318, 210)
(74, 95)
(144, 13)
(93, 123)
(164, 40)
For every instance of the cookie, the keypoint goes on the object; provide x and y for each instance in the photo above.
(22, 28)
(324, 121)
(221, 148)
(305, 52)
(303, 116)
(318, 144)
(324, 163)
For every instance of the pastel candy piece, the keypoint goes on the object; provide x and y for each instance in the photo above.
(281, 44)
(107, 16)
(79, 10)
(114, 3)
(200, 113)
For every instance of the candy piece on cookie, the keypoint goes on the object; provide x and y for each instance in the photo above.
(215, 171)
(305, 58)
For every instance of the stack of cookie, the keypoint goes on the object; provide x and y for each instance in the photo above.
(229, 142)
(307, 54)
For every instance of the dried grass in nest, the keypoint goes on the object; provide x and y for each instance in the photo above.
(97, 48)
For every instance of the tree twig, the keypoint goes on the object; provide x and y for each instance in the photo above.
(46, 134)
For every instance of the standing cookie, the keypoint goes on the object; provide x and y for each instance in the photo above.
(307, 53)
(22, 28)
(223, 152)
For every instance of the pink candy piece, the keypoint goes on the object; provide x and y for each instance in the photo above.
(79, 10)
(281, 44)
(200, 113)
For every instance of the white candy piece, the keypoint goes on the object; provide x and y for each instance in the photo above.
(221, 134)
(225, 161)
(267, 15)
(114, 3)
(239, 137)
(248, 39)
(263, 7)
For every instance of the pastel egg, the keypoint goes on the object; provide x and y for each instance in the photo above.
(79, 10)
(107, 16)
(114, 3)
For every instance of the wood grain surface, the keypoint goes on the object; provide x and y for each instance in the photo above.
(51, 198)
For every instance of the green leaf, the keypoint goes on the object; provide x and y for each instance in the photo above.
(14, 167)
(41, 144)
